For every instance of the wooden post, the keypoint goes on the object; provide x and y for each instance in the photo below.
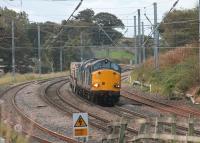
(142, 128)
(1, 108)
(113, 131)
(122, 132)
(1, 113)
(191, 126)
(160, 126)
(156, 126)
(147, 126)
(147, 129)
(173, 129)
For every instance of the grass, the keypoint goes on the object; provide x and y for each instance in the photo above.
(11, 136)
(8, 78)
(115, 54)
(178, 72)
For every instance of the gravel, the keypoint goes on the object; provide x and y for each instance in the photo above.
(30, 102)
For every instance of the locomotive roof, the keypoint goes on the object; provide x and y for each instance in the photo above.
(99, 60)
(92, 62)
(86, 62)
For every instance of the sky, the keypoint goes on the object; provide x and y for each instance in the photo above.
(58, 10)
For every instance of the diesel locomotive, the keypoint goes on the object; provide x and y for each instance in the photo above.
(98, 80)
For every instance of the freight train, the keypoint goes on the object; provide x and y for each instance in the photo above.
(98, 80)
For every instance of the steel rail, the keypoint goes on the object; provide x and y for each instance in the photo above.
(37, 125)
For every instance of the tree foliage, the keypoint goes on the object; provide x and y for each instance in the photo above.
(74, 36)
(21, 39)
(107, 19)
(180, 27)
(85, 15)
(107, 22)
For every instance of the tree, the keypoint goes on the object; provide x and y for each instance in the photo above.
(85, 23)
(85, 15)
(107, 19)
(23, 56)
(107, 22)
(180, 27)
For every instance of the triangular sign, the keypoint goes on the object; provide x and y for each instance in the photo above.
(80, 122)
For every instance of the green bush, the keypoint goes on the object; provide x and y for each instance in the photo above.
(10, 135)
(173, 78)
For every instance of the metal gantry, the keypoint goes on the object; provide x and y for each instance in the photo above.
(13, 51)
(39, 52)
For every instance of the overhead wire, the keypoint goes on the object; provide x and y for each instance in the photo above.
(157, 26)
(79, 4)
(15, 6)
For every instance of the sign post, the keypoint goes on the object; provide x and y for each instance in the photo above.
(80, 126)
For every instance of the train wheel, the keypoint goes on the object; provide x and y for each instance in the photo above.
(75, 90)
(92, 98)
(110, 101)
(83, 93)
(95, 99)
(89, 96)
(79, 92)
(86, 95)
(100, 100)
(103, 100)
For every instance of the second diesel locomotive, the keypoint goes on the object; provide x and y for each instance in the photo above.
(98, 80)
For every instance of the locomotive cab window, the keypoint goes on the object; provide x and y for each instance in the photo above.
(97, 66)
(115, 67)
(106, 64)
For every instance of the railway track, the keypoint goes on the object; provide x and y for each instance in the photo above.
(53, 97)
(116, 110)
(184, 112)
(15, 90)
(65, 105)
(181, 111)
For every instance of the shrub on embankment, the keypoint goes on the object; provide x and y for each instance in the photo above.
(178, 71)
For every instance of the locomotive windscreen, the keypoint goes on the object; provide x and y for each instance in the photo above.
(106, 64)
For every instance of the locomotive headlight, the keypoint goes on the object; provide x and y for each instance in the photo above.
(96, 85)
(117, 85)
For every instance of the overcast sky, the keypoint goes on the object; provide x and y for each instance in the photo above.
(57, 10)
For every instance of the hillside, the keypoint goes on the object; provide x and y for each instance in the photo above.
(178, 71)
(119, 55)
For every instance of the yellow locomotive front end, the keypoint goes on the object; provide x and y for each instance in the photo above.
(106, 80)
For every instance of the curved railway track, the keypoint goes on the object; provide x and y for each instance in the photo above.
(19, 87)
(131, 130)
(28, 119)
(52, 97)
(64, 105)
(181, 111)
